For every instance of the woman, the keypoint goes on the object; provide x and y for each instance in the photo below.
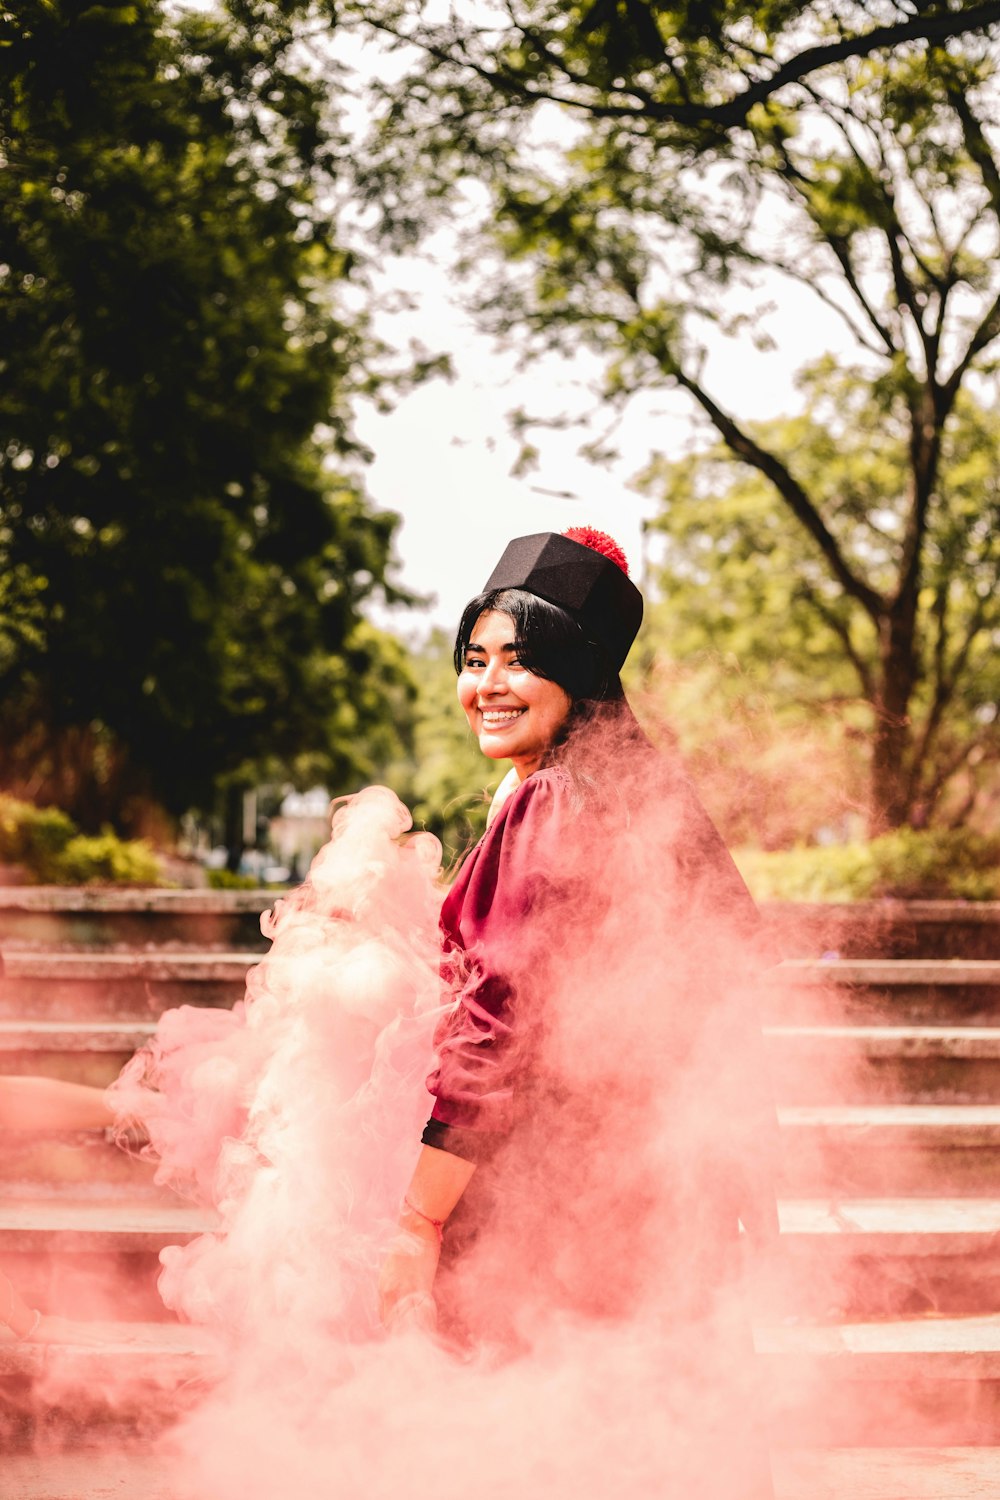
(600, 1124)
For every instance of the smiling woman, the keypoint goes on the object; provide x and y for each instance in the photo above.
(591, 1148)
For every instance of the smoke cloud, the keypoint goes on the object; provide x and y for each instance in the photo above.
(592, 1321)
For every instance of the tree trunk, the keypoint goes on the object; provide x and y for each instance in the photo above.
(235, 835)
(899, 666)
(889, 804)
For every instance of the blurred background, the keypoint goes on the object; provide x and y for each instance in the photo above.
(305, 310)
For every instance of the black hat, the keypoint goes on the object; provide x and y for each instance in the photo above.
(594, 588)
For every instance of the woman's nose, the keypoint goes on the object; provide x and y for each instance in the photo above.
(494, 678)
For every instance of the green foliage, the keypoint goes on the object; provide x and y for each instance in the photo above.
(906, 863)
(184, 544)
(49, 847)
(229, 880)
(771, 770)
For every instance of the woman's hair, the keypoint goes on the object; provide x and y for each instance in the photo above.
(550, 642)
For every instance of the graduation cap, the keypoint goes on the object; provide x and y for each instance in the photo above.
(588, 578)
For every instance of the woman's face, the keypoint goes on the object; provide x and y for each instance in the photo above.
(513, 714)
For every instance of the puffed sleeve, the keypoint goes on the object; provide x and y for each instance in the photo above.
(502, 905)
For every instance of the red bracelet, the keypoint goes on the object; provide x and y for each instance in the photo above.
(438, 1223)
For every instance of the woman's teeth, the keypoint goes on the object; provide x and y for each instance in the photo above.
(500, 716)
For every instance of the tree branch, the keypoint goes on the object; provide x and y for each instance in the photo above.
(804, 279)
(987, 331)
(880, 185)
(935, 27)
(841, 629)
(947, 769)
(839, 244)
(791, 492)
(977, 145)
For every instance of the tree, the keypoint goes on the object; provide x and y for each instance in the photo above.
(738, 582)
(184, 543)
(647, 161)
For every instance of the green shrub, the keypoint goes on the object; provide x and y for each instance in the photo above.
(47, 843)
(227, 880)
(842, 873)
(107, 858)
(33, 836)
(908, 863)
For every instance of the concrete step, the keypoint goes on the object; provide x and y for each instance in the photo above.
(900, 1382)
(92, 1473)
(98, 1224)
(94, 1254)
(867, 1257)
(896, 991)
(118, 986)
(55, 917)
(808, 1064)
(929, 1150)
(67, 1160)
(130, 1379)
(861, 1064)
(858, 1257)
(882, 1474)
(886, 929)
(920, 1382)
(91, 916)
(122, 985)
(92, 1052)
(799, 1474)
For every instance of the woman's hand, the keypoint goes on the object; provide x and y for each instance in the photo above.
(406, 1281)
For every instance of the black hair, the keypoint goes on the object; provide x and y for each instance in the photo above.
(550, 642)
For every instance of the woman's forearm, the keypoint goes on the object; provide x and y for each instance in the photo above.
(35, 1103)
(438, 1182)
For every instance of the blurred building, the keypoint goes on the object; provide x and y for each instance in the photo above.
(300, 828)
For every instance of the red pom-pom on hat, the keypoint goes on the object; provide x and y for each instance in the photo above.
(599, 541)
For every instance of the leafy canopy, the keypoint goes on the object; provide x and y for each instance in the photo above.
(185, 546)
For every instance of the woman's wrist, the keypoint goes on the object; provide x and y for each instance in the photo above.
(417, 1221)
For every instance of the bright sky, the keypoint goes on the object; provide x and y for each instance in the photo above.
(443, 457)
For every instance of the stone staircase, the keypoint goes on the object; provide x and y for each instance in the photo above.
(883, 1037)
